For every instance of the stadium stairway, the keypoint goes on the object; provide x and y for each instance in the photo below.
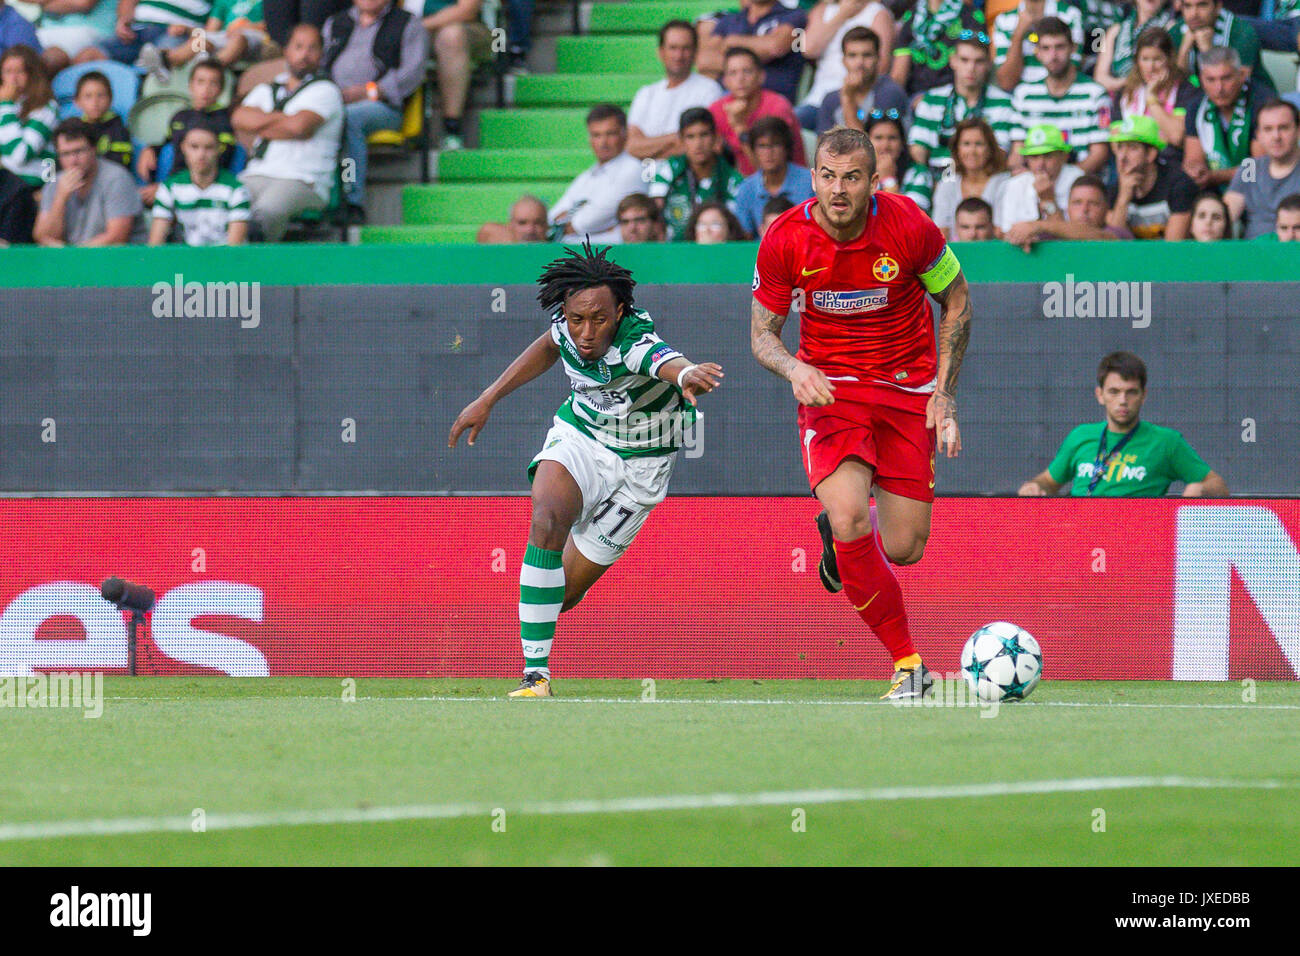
(538, 144)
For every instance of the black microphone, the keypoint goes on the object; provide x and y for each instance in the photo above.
(132, 597)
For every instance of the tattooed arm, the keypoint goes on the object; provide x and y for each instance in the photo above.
(954, 334)
(810, 386)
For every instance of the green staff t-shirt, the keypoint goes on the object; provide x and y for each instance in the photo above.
(1153, 458)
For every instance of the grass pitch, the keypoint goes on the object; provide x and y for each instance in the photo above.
(201, 771)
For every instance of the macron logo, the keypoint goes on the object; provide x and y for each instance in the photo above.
(102, 909)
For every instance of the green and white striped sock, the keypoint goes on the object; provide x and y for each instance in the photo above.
(541, 595)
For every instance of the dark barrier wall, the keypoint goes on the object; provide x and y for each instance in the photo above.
(353, 387)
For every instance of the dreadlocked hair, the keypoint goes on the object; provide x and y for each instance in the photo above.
(588, 269)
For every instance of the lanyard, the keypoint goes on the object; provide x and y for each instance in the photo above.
(1103, 459)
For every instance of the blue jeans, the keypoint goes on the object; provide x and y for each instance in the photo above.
(155, 33)
(520, 31)
(363, 118)
(1279, 35)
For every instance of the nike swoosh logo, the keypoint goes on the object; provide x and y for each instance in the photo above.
(809, 272)
(869, 600)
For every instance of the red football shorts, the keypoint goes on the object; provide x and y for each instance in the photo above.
(883, 426)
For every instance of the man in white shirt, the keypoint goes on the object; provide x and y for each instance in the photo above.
(657, 108)
(590, 205)
(298, 122)
(1042, 192)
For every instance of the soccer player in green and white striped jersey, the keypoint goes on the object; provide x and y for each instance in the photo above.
(208, 205)
(605, 463)
(1076, 105)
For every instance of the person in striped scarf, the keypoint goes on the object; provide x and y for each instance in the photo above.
(606, 462)
(27, 115)
(1221, 128)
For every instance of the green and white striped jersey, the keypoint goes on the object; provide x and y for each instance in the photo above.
(940, 109)
(1082, 114)
(204, 215)
(616, 399)
(1004, 28)
(190, 13)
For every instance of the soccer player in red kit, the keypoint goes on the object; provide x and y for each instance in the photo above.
(875, 394)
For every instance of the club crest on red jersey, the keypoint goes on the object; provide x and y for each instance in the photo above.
(885, 269)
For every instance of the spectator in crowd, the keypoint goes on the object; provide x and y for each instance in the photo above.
(590, 204)
(375, 52)
(1118, 53)
(927, 33)
(281, 17)
(829, 22)
(1273, 175)
(1211, 220)
(1152, 198)
(894, 167)
(207, 80)
(94, 101)
(527, 223)
(639, 219)
(1019, 58)
(27, 114)
(1042, 191)
(699, 175)
(17, 209)
(206, 204)
(92, 202)
(16, 30)
(746, 103)
(863, 88)
(1157, 88)
(1282, 31)
(1287, 228)
(458, 41)
(1206, 25)
(234, 32)
(771, 210)
(968, 96)
(776, 175)
(764, 27)
(979, 169)
(654, 121)
(519, 34)
(159, 23)
(713, 222)
(1084, 220)
(298, 125)
(1074, 104)
(973, 221)
(71, 26)
(1124, 456)
(1221, 128)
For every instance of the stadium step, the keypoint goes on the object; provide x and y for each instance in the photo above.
(494, 165)
(646, 16)
(470, 203)
(420, 235)
(580, 89)
(533, 128)
(607, 54)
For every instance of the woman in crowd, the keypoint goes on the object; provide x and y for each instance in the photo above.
(27, 114)
(1115, 59)
(979, 168)
(713, 222)
(1210, 218)
(1157, 88)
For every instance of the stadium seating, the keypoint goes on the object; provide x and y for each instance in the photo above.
(124, 80)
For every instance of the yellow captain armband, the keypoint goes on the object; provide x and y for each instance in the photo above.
(944, 270)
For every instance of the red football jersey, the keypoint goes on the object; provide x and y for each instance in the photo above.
(864, 314)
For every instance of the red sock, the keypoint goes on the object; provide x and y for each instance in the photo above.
(873, 591)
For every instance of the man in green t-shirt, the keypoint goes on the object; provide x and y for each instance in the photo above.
(1124, 457)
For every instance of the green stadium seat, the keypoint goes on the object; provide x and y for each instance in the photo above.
(533, 129)
(1281, 68)
(494, 165)
(648, 16)
(607, 54)
(470, 203)
(580, 89)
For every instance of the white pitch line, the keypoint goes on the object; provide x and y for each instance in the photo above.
(648, 804)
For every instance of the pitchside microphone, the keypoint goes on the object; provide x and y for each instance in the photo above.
(129, 597)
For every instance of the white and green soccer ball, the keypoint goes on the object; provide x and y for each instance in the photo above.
(1002, 662)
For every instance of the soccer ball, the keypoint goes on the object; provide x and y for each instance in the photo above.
(1002, 662)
